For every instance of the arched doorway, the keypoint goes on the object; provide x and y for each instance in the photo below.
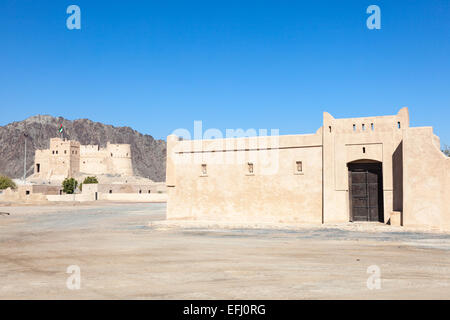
(365, 178)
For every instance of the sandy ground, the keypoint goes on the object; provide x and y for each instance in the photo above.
(122, 256)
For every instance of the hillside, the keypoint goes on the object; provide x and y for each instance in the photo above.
(148, 154)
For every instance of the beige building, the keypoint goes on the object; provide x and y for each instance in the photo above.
(361, 169)
(67, 158)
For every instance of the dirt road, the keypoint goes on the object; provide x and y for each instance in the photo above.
(121, 257)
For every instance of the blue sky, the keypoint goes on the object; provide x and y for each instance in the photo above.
(159, 65)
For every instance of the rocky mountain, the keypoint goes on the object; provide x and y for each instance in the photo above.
(148, 154)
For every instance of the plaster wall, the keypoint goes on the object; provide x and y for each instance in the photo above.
(229, 191)
(426, 181)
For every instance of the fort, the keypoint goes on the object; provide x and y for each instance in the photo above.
(374, 169)
(67, 158)
(112, 166)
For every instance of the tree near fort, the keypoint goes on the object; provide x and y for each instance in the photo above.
(90, 180)
(6, 182)
(69, 185)
(446, 150)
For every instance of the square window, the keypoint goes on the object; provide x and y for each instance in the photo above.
(204, 170)
(299, 166)
(250, 168)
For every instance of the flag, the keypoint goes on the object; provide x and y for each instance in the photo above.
(60, 129)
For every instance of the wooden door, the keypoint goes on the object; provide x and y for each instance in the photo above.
(365, 186)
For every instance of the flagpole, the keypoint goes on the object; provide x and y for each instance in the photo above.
(25, 159)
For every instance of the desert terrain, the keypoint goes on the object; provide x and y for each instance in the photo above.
(127, 251)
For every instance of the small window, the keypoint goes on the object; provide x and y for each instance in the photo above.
(111, 154)
(110, 191)
(250, 168)
(56, 151)
(364, 149)
(329, 128)
(399, 125)
(149, 191)
(65, 151)
(27, 192)
(363, 127)
(298, 166)
(204, 170)
(53, 152)
(372, 127)
(140, 191)
(354, 127)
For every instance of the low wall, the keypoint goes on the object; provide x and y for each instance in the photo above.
(19, 195)
(133, 197)
(71, 197)
(125, 197)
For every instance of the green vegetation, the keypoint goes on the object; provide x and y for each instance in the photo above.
(446, 150)
(69, 185)
(6, 183)
(90, 180)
